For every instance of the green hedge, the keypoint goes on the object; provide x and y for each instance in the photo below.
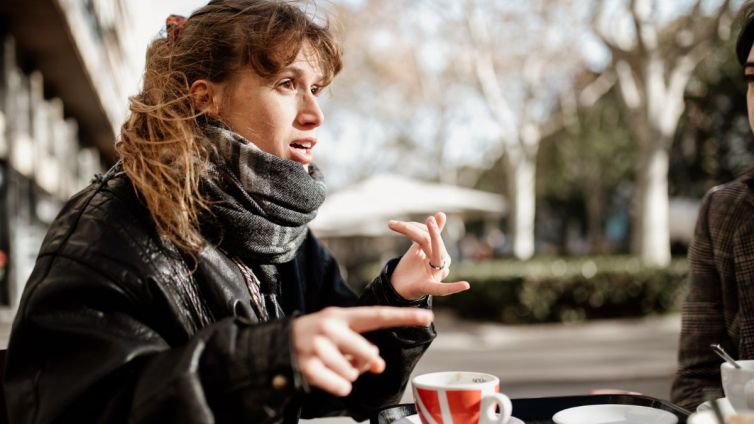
(565, 290)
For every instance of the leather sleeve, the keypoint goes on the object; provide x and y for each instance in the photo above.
(82, 350)
(401, 348)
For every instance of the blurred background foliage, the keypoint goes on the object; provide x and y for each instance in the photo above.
(481, 88)
(567, 290)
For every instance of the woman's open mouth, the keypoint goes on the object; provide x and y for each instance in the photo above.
(301, 150)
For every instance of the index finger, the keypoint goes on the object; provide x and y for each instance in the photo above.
(368, 318)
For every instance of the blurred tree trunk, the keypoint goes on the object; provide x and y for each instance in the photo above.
(520, 167)
(521, 130)
(653, 69)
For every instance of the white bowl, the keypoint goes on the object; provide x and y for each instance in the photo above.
(614, 414)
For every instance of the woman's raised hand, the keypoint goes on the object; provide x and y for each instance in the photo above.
(330, 350)
(426, 263)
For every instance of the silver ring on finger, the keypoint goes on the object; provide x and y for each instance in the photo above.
(438, 267)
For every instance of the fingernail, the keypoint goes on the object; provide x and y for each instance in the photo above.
(392, 222)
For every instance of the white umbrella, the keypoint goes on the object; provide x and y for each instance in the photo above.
(363, 209)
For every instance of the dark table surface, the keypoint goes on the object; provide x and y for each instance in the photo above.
(540, 410)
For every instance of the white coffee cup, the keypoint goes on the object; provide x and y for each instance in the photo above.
(738, 384)
(460, 397)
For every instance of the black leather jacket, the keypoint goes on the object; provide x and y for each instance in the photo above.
(114, 327)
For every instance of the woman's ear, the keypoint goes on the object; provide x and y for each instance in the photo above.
(206, 97)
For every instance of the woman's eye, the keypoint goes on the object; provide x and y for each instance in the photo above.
(749, 78)
(286, 84)
(316, 89)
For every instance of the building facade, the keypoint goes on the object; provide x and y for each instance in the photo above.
(65, 76)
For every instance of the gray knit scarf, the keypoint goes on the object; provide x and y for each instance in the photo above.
(260, 204)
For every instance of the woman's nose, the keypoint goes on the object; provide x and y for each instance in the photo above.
(310, 115)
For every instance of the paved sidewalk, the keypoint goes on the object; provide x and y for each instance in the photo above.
(555, 359)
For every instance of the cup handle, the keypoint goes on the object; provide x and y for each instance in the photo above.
(487, 414)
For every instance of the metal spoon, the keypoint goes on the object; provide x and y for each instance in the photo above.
(723, 354)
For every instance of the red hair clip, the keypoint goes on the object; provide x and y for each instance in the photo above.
(174, 25)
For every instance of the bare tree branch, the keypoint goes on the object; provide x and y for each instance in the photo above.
(697, 9)
(636, 19)
(598, 30)
(421, 79)
(555, 123)
(487, 78)
(723, 12)
(629, 88)
(596, 89)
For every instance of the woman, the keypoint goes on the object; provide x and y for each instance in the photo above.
(183, 285)
(719, 307)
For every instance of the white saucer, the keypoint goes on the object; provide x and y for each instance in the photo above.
(725, 407)
(414, 419)
(614, 414)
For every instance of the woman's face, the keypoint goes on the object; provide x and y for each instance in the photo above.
(749, 75)
(279, 115)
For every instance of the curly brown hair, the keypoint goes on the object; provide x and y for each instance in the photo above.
(159, 143)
